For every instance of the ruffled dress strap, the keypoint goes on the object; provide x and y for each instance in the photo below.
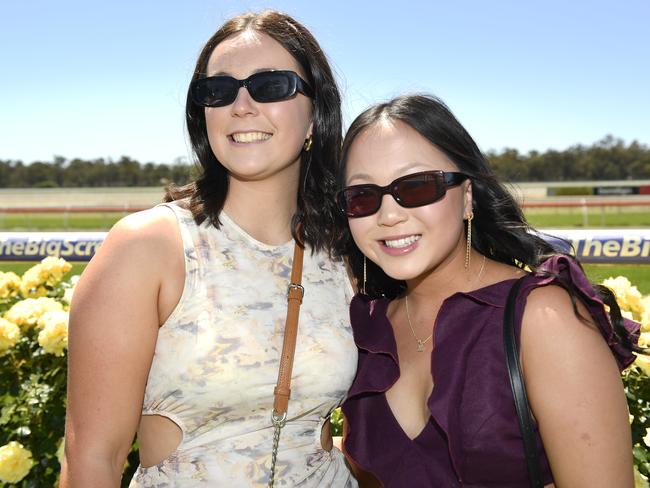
(564, 271)
(378, 366)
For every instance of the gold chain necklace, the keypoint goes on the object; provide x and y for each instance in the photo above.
(421, 342)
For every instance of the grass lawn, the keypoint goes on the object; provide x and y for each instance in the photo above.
(58, 221)
(573, 218)
(540, 218)
(20, 267)
(639, 275)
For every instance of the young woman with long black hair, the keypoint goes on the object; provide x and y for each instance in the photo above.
(436, 243)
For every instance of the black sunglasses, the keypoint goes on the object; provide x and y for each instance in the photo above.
(264, 87)
(414, 190)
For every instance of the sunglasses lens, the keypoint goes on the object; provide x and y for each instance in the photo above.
(271, 87)
(214, 92)
(420, 190)
(359, 202)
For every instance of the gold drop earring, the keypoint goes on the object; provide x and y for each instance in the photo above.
(469, 241)
(363, 290)
(307, 145)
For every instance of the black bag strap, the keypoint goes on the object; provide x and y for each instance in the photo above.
(519, 389)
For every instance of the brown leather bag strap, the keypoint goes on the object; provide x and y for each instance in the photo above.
(295, 293)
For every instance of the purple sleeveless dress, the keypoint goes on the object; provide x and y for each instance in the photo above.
(472, 438)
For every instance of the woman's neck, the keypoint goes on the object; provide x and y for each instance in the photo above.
(264, 209)
(448, 278)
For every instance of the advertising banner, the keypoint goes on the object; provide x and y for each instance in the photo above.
(630, 246)
(607, 246)
(34, 246)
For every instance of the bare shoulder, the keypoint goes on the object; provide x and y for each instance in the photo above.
(150, 227)
(149, 236)
(138, 254)
(550, 308)
(555, 339)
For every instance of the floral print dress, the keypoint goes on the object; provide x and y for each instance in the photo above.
(216, 364)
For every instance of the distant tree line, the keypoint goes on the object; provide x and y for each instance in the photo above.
(62, 173)
(607, 159)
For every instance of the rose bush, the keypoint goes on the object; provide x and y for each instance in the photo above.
(33, 339)
(637, 378)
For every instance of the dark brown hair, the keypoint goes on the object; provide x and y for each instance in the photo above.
(315, 210)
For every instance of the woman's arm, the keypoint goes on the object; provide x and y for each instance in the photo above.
(112, 335)
(576, 394)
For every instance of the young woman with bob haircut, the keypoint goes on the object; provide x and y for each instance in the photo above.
(436, 243)
(177, 323)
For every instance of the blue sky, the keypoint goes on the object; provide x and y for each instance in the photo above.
(104, 79)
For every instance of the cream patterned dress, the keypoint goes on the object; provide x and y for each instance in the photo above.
(216, 364)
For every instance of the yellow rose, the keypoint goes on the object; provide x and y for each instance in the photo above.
(628, 296)
(52, 269)
(32, 285)
(47, 273)
(9, 335)
(643, 363)
(67, 295)
(645, 316)
(9, 284)
(640, 481)
(60, 451)
(626, 314)
(27, 312)
(53, 336)
(618, 285)
(15, 462)
(644, 339)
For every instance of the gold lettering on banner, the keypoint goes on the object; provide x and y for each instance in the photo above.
(68, 249)
(631, 247)
(590, 244)
(31, 249)
(79, 248)
(575, 244)
(53, 248)
(18, 248)
(611, 248)
(646, 249)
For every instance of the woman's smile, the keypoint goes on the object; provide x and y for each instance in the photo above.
(399, 245)
(249, 137)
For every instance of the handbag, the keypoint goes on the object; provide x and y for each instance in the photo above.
(519, 390)
(282, 391)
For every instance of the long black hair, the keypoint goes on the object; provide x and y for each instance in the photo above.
(500, 230)
(317, 178)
